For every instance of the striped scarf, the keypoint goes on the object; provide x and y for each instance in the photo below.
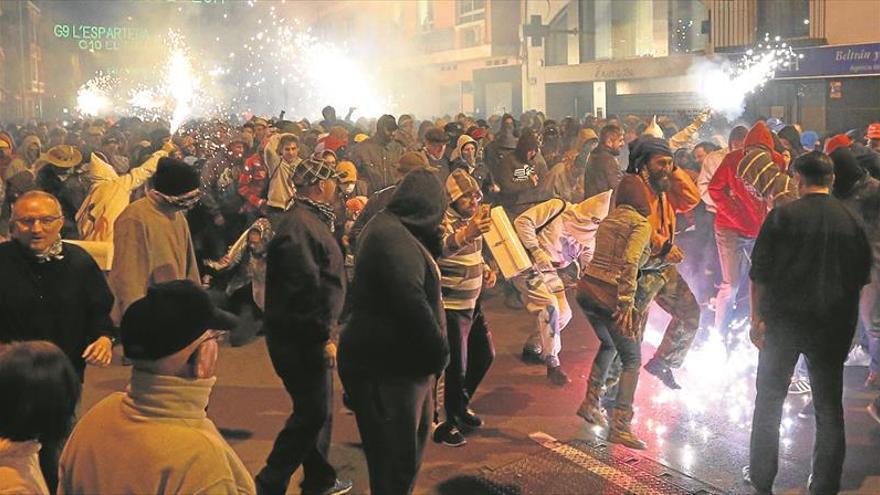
(323, 209)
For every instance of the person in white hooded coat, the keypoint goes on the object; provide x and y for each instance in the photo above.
(557, 235)
(109, 195)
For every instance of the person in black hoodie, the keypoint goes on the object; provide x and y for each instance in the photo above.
(305, 287)
(395, 340)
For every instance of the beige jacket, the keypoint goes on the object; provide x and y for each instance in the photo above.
(155, 438)
(20, 468)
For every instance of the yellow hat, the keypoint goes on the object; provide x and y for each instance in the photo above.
(347, 171)
(360, 137)
(4, 144)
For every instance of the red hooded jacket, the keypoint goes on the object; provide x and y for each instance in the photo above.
(738, 209)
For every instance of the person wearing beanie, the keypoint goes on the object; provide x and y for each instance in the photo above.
(791, 141)
(670, 191)
(159, 423)
(517, 176)
(559, 237)
(152, 242)
(305, 289)
(872, 136)
(606, 293)
(409, 161)
(861, 193)
(52, 291)
(377, 157)
(396, 304)
(811, 260)
(463, 275)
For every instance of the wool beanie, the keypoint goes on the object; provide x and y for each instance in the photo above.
(460, 183)
(642, 150)
(174, 177)
(847, 171)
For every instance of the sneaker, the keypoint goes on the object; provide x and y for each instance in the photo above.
(531, 356)
(857, 357)
(557, 376)
(808, 411)
(447, 434)
(340, 487)
(873, 381)
(663, 373)
(469, 419)
(747, 475)
(800, 386)
(874, 409)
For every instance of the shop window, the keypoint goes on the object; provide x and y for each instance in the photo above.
(785, 18)
(471, 10)
(686, 20)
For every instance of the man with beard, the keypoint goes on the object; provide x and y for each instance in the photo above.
(670, 191)
(305, 288)
(603, 171)
(152, 243)
(377, 157)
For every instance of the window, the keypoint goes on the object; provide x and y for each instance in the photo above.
(471, 10)
(785, 18)
(426, 15)
(686, 19)
(472, 36)
(557, 43)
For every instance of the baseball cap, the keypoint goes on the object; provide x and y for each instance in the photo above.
(170, 317)
(873, 131)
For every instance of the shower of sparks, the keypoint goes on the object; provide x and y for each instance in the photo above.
(725, 86)
(93, 98)
(180, 82)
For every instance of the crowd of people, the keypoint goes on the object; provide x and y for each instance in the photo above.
(358, 246)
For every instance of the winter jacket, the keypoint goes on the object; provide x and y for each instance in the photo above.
(564, 183)
(766, 180)
(603, 172)
(20, 468)
(163, 442)
(397, 325)
(377, 162)
(305, 278)
(461, 265)
(622, 247)
(252, 183)
(109, 196)
(71, 189)
(220, 186)
(736, 208)
(514, 180)
(377, 202)
(707, 171)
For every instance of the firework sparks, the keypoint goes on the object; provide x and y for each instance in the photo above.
(92, 98)
(725, 86)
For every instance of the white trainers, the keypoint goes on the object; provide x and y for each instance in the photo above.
(857, 357)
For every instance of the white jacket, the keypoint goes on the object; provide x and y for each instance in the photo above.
(109, 195)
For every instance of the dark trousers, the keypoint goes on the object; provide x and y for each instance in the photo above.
(393, 416)
(471, 353)
(612, 345)
(776, 363)
(305, 438)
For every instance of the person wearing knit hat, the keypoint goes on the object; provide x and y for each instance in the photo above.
(837, 141)
(464, 273)
(171, 336)
(670, 191)
(559, 237)
(305, 289)
(791, 141)
(607, 294)
(861, 193)
(873, 136)
(152, 242)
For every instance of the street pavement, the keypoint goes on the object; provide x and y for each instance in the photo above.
(701, 430)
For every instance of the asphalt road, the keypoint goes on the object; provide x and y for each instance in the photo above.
(701, 430)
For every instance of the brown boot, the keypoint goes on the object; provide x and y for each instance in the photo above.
(591, 410)
(620, 431)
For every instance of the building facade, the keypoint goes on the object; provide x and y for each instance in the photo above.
(21, 60)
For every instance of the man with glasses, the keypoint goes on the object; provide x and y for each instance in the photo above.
(155, 436)
(52, 291)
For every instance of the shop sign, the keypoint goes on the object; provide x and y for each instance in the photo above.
(834, 61)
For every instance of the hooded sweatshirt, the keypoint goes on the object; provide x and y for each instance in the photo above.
(20, 468)
(397, 326)
(109, 195)
(736, 207)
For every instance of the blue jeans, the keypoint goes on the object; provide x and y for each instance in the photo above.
(613, 343)
(734, 256)
(869, 314)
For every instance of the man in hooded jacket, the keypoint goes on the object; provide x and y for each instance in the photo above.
(397, 304)
(377, 157)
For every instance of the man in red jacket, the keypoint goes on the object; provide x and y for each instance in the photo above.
(738, 218)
